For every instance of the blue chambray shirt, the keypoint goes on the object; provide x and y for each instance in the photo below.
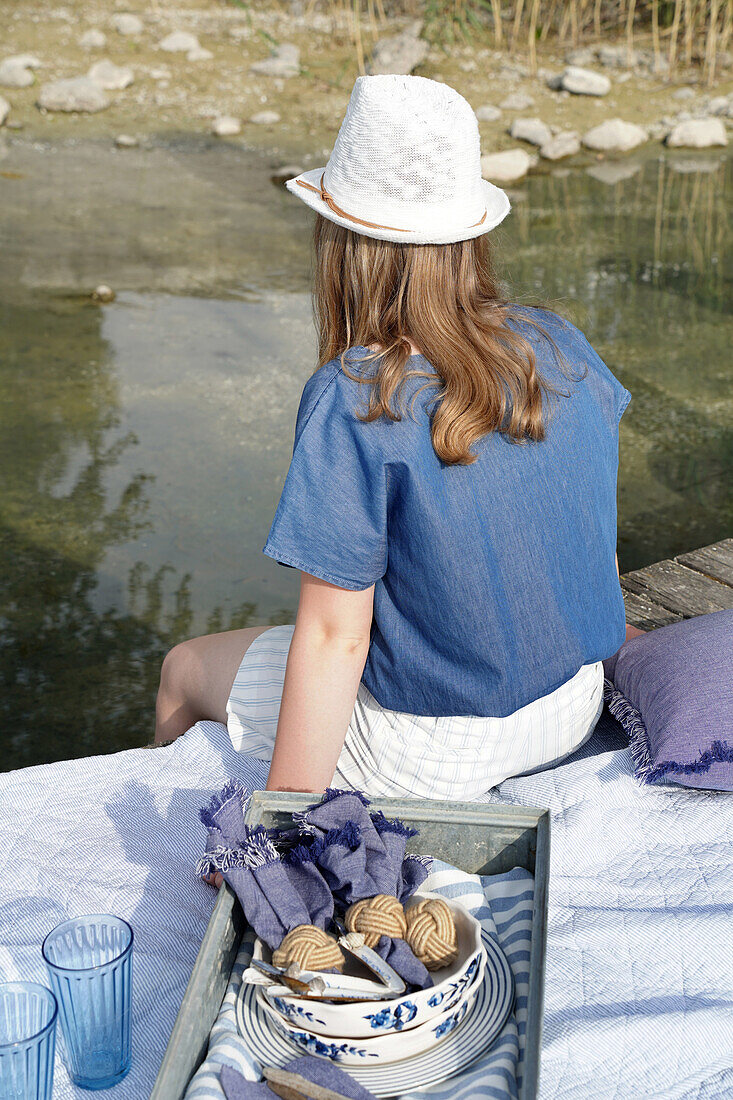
(494, 582)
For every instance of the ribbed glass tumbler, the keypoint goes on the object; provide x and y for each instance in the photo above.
(27, 1041)
(89, 960)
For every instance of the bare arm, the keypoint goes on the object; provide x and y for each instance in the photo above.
(326, 659)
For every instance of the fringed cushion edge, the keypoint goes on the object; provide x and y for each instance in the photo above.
(720, 752)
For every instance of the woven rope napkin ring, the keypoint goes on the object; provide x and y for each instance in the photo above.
(431, 933)
(382, 915)
(330, 202)
(310, 948)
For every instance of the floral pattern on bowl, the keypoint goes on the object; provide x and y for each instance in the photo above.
(381, 1048)
(452, 995)
(393, 1019)
(295, 1011)
(450, 1022)
(361, 1020)
(336, 1052)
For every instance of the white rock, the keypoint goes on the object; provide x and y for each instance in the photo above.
(553, 81)
(721, 105)
(110, 76)
(615, 136)
(162, 73)
(14, 74)
(199, 54)
(285, 61)
(584, 55)
(265, 118)
(565, 144)
(126, 141)
(27, 60)
(533, 130)
(127, 24)
(693, 165)
(506, 167)
(698, 133)
(683, 93)
(78, 93)
(613, 171)
(585, 82)
(616, 57)
(487, 113)
(516, 101)
(93, 40)
(4, 109)
(103, 293)
(226, 126)
(400, 53)
(179, 42)
(285, 172)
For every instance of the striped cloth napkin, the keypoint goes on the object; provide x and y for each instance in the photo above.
(503, 904)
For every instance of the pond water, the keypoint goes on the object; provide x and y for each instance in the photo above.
(144, 443)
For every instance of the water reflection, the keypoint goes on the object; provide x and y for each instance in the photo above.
(144, 444)
(637, 254)
(80, 646)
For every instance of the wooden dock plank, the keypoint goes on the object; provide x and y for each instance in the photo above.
(714, 561)
(645, 614)
(679, 589)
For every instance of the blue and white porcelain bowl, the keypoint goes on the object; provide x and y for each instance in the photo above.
(366, 1019)
(380, 1048)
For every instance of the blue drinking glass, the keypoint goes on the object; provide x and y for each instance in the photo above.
(89, 960)
(27, 1041)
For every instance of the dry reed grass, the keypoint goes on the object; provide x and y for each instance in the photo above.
(680, 32)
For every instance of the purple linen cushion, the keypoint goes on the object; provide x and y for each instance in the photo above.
(672, 692)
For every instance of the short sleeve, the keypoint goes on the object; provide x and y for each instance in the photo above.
(622, 402)
(331, 520)
(574, 345)
(619, 395)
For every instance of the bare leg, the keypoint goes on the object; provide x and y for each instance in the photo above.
(196, 680)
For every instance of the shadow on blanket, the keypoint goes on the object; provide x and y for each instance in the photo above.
(555, 1025)
(608, 736)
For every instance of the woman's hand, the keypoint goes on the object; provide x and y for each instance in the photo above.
(325, 662)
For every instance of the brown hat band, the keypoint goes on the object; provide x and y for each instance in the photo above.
(329, 201)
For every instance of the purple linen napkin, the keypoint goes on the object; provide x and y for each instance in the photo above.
(316, 1070)
(275, 898)
(346, 853)
(377, 865)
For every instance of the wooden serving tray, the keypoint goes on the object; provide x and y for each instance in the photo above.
(480, 839)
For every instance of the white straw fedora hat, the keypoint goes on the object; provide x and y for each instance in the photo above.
(406, 166)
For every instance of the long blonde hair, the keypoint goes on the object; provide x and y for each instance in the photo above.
(446, 300)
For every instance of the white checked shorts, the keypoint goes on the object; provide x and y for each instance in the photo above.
(391, 754)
